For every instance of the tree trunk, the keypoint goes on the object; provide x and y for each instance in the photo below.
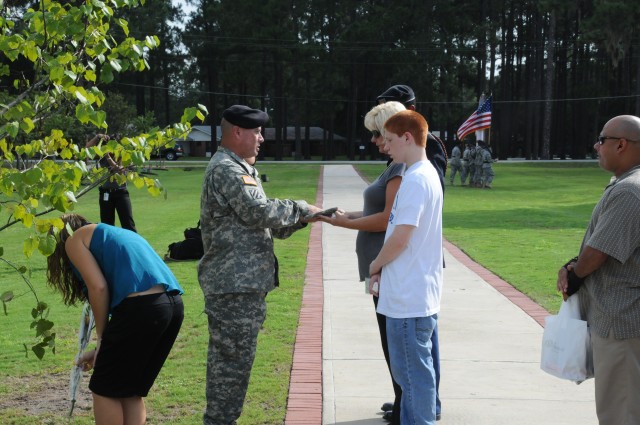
(548, 89)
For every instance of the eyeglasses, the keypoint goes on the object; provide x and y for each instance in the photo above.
(375, 133)
(602, 139)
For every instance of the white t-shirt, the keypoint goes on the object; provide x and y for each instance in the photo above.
(411, 284)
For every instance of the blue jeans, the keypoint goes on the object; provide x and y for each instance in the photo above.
(412, 367)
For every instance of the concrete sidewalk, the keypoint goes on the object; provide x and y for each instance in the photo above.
(490, 347)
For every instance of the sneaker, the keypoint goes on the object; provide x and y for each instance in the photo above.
(386, 407)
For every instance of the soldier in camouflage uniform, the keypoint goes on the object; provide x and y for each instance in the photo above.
(478, 162)
(472, 165)
(239, 267)
(456, 164)
(465, 164)
(487, 169)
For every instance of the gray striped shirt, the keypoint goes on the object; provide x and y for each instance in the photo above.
(612, 292)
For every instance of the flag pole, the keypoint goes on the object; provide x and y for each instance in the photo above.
(480, 133)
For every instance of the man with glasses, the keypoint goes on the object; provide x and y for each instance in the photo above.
(607, 275)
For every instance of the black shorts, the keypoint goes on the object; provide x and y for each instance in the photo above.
(135, 344)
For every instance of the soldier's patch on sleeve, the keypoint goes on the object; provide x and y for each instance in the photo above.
(248, 180)
(255, 193)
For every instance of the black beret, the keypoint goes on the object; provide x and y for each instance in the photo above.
(245, 117)
(399, 93)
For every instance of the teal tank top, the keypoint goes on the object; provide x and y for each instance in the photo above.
(129, 263)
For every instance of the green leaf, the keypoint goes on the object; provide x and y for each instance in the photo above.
(38, 351)
(31, 52)
(70, 196)
(80, 97)
(90, 75)
(29, 246)
(56, 73)
(115, 64)
(66, 154)
(5, 298)
(106, 74)
(188, 115)
(47, 245)
(27, 125)
(43, 326)
(33, 175)
(12, 128)
(83, 113)
(100, 119)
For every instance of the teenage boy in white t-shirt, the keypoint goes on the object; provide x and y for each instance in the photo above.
(407, 272)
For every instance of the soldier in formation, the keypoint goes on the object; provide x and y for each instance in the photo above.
(466, 166)
(477, 155)
(487, 169)
(456, 164)
(477, 165)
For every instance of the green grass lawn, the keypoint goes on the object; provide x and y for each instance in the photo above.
(178, 397)
(528, 225)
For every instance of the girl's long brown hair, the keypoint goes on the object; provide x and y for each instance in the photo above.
(60, 274)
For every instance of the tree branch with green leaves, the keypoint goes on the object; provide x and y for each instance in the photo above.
(54, 55)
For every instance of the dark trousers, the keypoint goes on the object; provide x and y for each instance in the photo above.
(397, 391)
(135, 344)
(118, 200)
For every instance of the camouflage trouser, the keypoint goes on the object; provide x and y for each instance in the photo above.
(488, 173)
(477, 179)
(472, 174)
(464, 173)
(234, 323)
(455, 168)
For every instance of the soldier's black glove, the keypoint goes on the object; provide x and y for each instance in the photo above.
(575, 282)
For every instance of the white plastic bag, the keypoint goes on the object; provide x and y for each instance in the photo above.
(566, 344)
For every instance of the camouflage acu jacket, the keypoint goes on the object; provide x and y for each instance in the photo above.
(238, 225)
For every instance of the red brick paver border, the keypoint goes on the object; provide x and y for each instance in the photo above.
(304, 405)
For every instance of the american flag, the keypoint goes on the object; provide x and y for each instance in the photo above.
(479, 120)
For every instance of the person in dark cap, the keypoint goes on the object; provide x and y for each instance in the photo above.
(398, 93)
(239, 267)
(436, 151)
(244, 117)
(437, 155)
